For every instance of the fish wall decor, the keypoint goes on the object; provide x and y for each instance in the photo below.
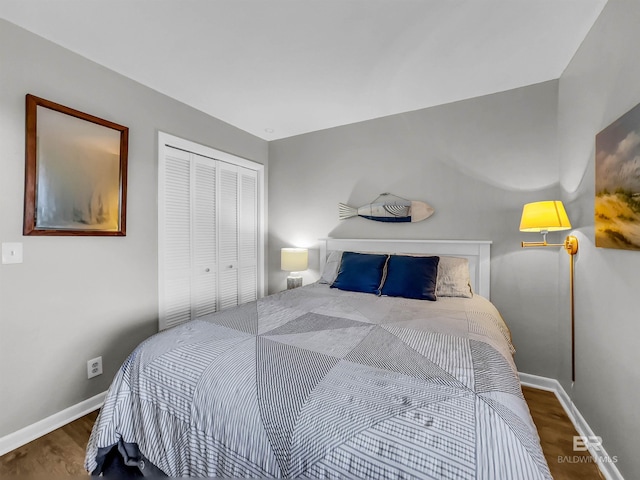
(388, 208)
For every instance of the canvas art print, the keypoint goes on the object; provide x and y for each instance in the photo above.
(617, 202)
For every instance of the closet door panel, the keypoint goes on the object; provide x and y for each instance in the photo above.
(176, 207)
(228, 235)
(248, 235)
(205, 267)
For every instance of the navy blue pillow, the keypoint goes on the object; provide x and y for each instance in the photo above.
(411, 277)
(360, 272)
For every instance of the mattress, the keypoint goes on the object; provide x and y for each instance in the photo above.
(316, 382)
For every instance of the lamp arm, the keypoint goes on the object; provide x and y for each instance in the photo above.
(570, 244)
(541, 244)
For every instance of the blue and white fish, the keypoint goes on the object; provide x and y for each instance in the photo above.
(388, 210)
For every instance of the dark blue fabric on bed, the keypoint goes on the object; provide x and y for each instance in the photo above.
(124, 461)
(411, 277)
(360, 272)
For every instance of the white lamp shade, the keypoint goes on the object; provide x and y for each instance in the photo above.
(294, 259)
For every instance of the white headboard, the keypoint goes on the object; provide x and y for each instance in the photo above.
(478, 252)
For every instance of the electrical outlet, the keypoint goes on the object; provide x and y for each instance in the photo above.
(94, 367)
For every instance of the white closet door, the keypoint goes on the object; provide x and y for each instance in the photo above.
(176, 276)
(205, 267)
(209, 224)
(247, 235)
(228, 235)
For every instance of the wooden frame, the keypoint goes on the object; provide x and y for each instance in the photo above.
(75, 172)
(478, 252)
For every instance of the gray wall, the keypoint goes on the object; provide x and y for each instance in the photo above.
(75, 298)
(476, 162)
(602, 83)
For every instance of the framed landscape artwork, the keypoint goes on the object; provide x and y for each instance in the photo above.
(617, 201)
(75, 172)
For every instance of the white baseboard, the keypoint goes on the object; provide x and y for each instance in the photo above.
(607, 468)
(47, 425)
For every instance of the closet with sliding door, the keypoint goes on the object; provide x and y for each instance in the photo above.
(209, 230)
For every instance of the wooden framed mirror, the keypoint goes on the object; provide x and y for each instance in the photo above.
(75, 172)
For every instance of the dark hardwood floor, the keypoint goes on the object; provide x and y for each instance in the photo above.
(61, 453)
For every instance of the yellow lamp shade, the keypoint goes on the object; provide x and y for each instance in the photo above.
(294, 259)
(547, 216)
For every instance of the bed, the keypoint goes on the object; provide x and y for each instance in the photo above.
(326, 382)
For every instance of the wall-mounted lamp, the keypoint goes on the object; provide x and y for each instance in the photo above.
(545, 217)
(294, 260)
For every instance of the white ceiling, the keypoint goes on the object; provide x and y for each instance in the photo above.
(278, 68)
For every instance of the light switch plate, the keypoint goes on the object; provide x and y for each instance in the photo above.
(12, 253)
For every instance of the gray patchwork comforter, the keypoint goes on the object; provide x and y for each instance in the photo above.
(319, 383)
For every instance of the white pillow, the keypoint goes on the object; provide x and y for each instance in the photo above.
(453, 278)
(331, 267)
